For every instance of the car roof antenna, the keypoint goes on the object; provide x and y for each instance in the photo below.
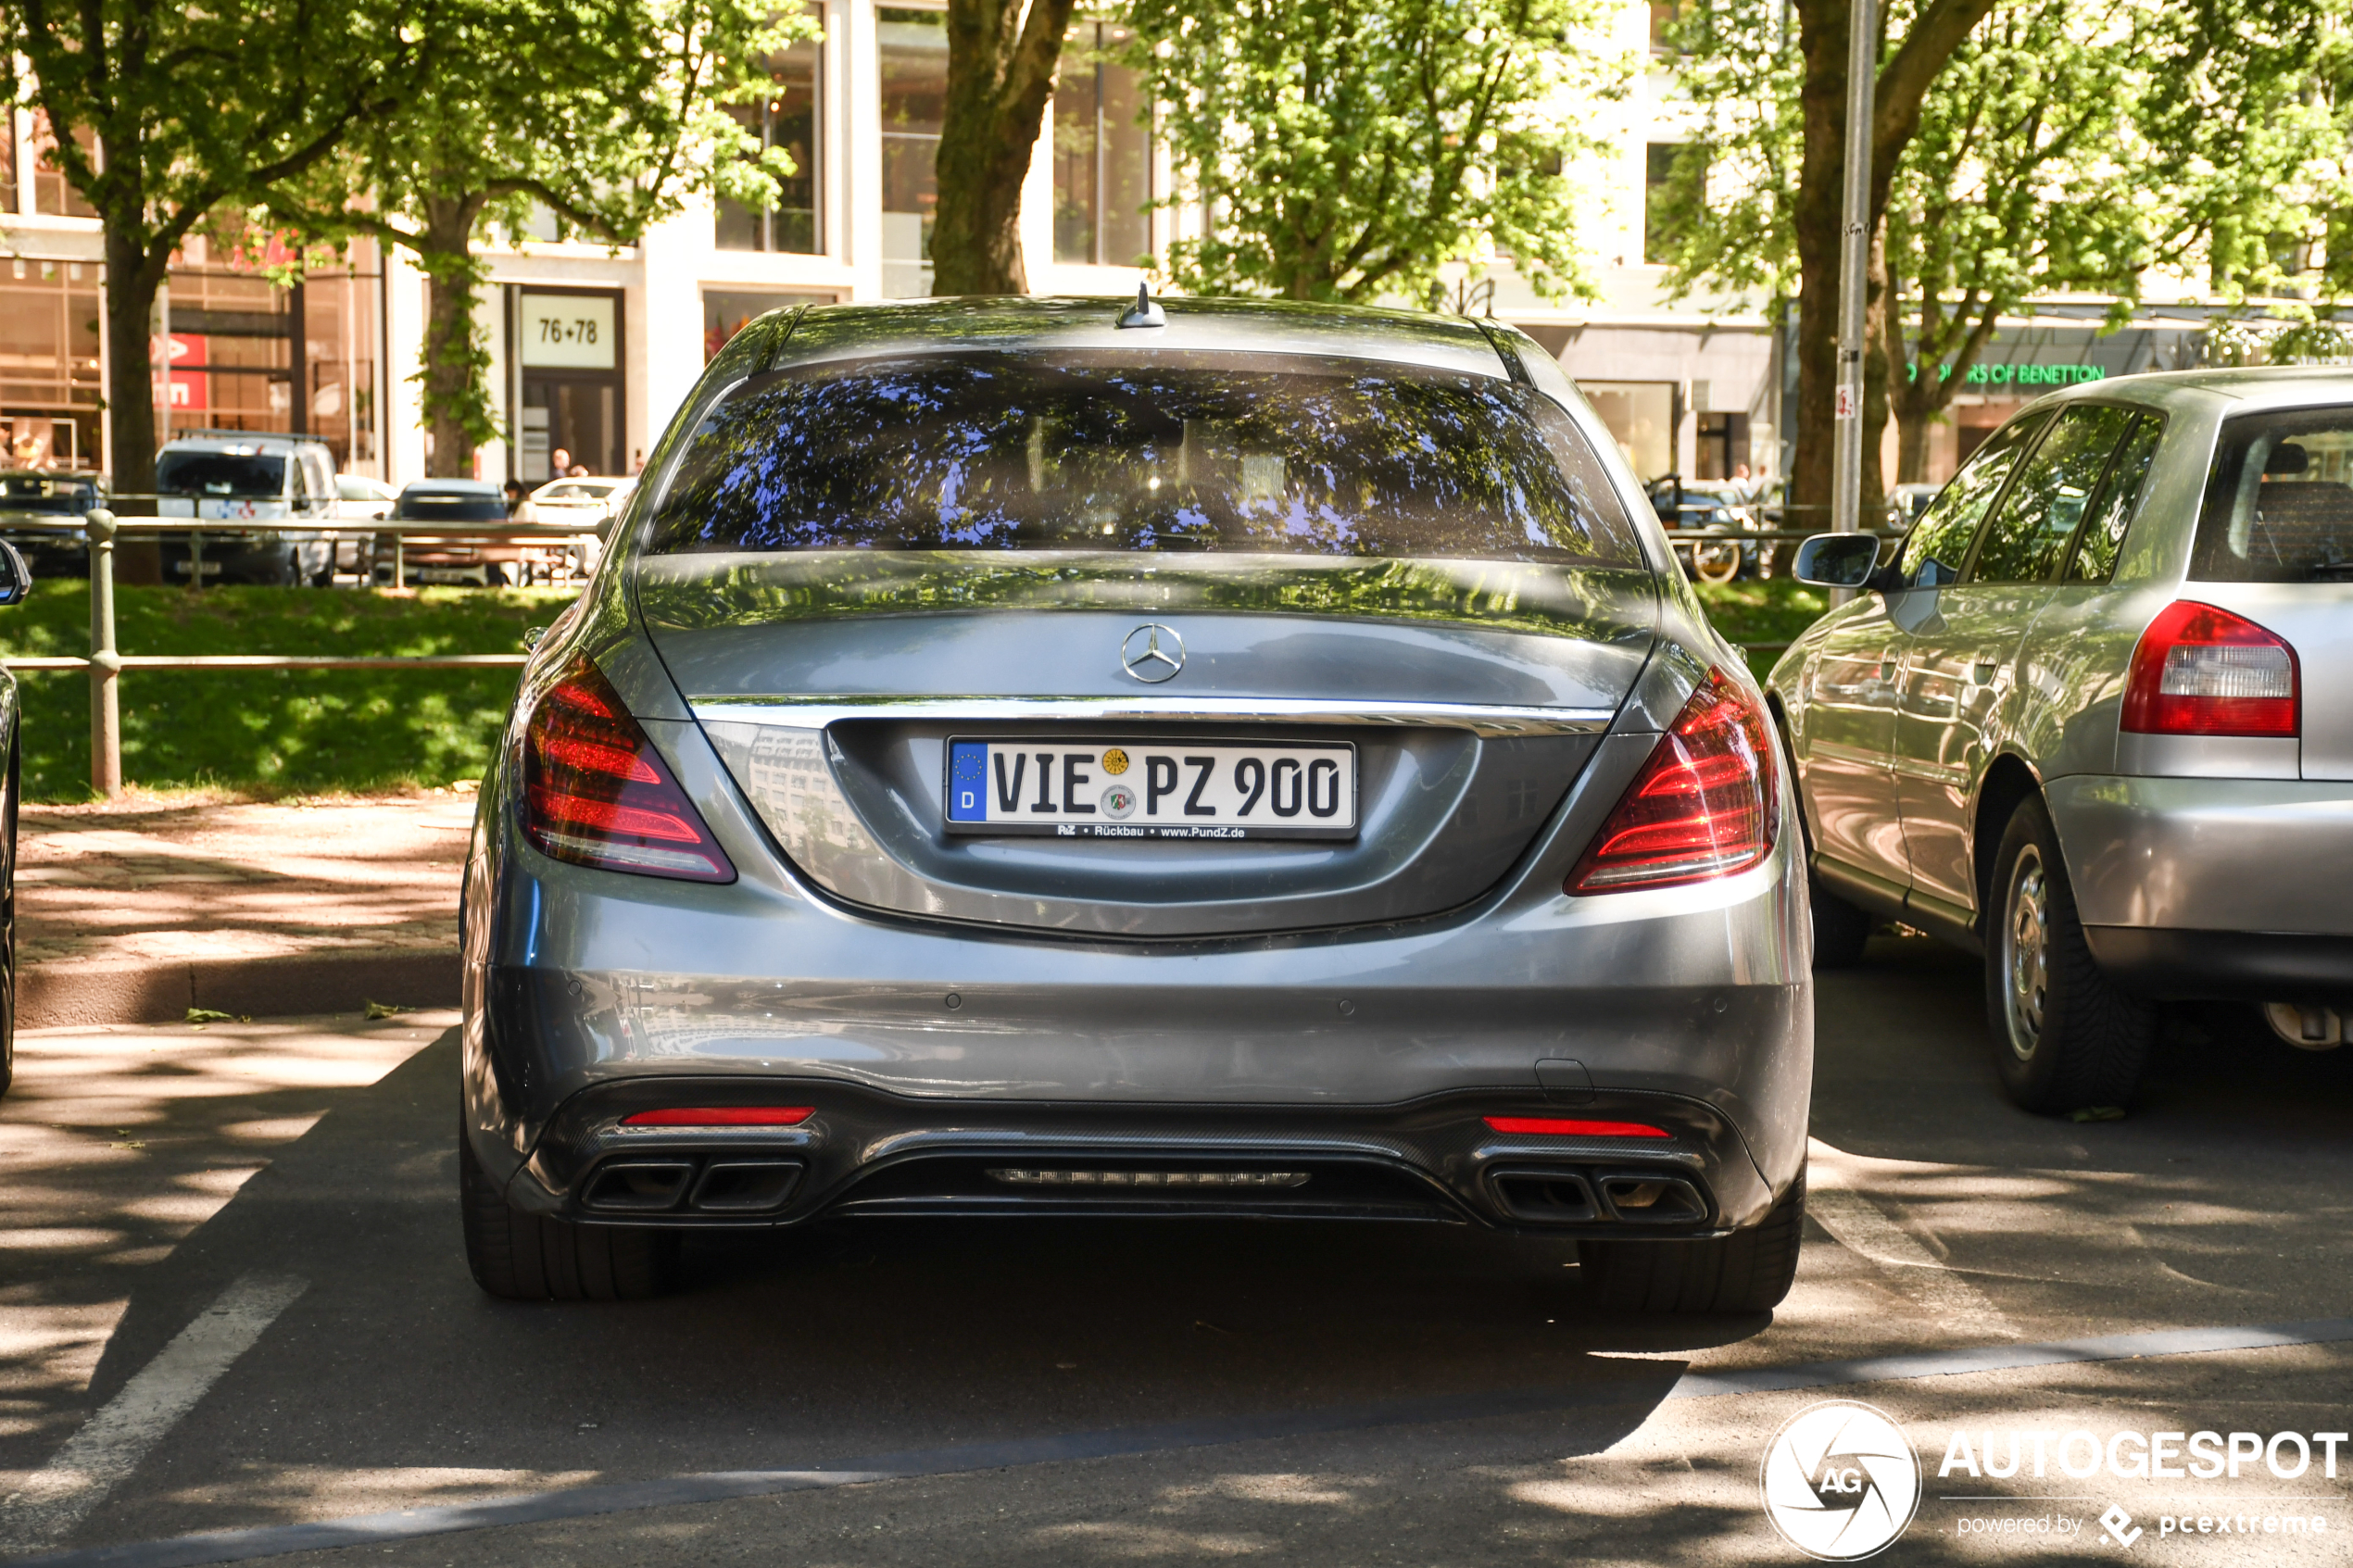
(1144, 312)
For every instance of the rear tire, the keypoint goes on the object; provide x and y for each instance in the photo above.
(1840, 928)
(526, 1257)
(2065, 1036)
(1749, 1271)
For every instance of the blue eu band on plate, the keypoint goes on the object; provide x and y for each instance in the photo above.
(1084, 787)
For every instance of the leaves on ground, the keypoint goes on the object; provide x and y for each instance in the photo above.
(207, 1015)
(385, 1009)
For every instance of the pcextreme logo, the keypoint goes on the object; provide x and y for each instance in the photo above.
(1840, 1481)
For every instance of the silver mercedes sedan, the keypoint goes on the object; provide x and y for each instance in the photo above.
(2090, 722)
(1076, 757)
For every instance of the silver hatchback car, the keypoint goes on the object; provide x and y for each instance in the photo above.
(2089, 724)
(1066, 757)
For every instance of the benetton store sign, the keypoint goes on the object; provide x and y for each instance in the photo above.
(2026, 375)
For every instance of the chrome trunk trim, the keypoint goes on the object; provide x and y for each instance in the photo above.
(1480, 718)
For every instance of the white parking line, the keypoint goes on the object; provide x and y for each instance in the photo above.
(111, 1443)
(1865, 1229)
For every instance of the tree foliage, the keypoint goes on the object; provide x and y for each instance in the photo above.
(165, 114)
(1350, 149)
(2064, 147)
(605, 113)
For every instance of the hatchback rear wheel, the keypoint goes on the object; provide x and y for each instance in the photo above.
(1749, 1271)
(527, 1257)
(2065, 1036)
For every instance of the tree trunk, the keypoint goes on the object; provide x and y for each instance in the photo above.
(454, 396)
(130, 388)
(1877, 302)
(1822, 34)
(998, 80)
(1907, 72)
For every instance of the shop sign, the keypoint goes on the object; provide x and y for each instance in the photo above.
(570, 331)
(2022, 375)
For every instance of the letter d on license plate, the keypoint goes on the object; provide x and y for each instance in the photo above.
(1220, 789)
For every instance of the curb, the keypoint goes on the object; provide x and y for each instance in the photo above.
(83, 994)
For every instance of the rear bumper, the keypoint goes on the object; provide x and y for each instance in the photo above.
(2263, 966)
(862, 1152)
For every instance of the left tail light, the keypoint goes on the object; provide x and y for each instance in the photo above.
(1702, 807)
(597, 793)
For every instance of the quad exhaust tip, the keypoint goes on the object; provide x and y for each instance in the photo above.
(720, 1187)
(1549, 1195)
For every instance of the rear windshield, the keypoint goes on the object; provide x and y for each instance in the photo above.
(220, 473)
(42, 493)
(1181, 452)
(454, 509)
(2279, 505)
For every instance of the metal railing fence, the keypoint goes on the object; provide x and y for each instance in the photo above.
(105, 663)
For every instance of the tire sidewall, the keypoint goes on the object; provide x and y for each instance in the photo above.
(2031, 1079)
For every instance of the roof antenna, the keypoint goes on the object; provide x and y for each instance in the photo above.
(1144, 312)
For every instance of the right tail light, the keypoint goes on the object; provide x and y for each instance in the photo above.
(2200, 671)
(1702, 807)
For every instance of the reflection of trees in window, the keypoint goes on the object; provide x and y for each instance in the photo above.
(1215, 453)
(914, 57)
(1103, 153)
(787, 118)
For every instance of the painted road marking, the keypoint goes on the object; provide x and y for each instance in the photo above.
(111, 1443)
(581, 1502)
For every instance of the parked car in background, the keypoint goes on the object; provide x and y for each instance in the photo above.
(464, 506)
(1905, 503)
(2095, 721)
(361, 498)
(1260, 763)
(588, 504)
(56, 497)
(246, 476)
(1707, 508)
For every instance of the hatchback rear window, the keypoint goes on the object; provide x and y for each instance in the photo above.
(254, 474)
(1178, 451)
(2279, 504)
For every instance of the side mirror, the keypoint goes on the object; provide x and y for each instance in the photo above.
(1837, 560)
(16, 578)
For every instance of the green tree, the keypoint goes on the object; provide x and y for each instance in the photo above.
(2057, 145)
(165, 114)
(2055, 156)
(1001, 72)
(1350, 149)
(608, 113)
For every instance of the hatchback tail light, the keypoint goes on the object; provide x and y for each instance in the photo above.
(2200, 670)
(594, 792)
(1702, 807)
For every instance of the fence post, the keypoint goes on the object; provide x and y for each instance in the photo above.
(106, 665)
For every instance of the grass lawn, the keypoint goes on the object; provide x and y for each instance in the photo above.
(273, 733)
(1768, 611)
(270, 732)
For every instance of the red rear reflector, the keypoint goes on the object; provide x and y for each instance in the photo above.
(2200, 670)
(724, 1116)
(596, 794)
(1557, 1127)
(1702, 807)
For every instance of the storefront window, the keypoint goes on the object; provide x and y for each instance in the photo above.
(1641, 416)
(49, 380)
(788, 118)
(1103, 153)
(728, 312)
(913, 49)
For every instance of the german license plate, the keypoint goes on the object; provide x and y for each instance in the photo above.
(1151, 789)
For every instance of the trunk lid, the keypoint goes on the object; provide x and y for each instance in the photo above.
(832, 682)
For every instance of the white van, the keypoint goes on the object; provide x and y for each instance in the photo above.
(235, 476)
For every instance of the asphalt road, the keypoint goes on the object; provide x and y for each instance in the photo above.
(234, 1301)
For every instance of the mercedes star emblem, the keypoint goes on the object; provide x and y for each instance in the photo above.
(1153, 653)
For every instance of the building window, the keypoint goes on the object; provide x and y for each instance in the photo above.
(726, 313)
(49, 380)
(53, 194)
(787, 118)
(1103, 153)
(1664, 14)
(1658, 235)
(913, 52)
